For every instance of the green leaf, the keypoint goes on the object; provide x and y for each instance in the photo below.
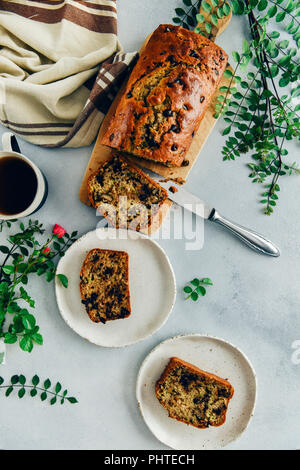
(274, 34)
(187, 289)
(35, 380)
(207, 280)
(226, 9)
(201, 290)
(195, 282)
(208, 27)
(236, 56)
(214, 19)
(53, 401)
(228, 73)
(8, 391)
(280, 16)
(206, 7)
(262, 5)
(47, 384)
(283, 44)
(180, 11)
(26, 343)
(44, 396)
(246, 48)
(8, 269)
(4, 249)
(10, 338)
(57, 387)
(220, 13)
(14, 379)
(200, 18)
(226, 130)
(21, 392)
(22, 379)
(272, 11)
(50, 276)
(24, 280)
(63, 279)
(28, 321)
(72, 400)
(194, 296)
(33, 392)
(37, 338)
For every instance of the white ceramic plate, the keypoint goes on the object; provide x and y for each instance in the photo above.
(213, 355)
(151, 283)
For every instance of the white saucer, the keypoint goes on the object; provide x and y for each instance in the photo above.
(151, 283)
(213, 355)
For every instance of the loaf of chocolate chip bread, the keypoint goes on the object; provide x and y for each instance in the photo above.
(104, 285)
(167, 95)
(192, 395)
(125, 195)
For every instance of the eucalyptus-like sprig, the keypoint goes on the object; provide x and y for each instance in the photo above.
(34, 389)
(24, 256)
(262, 117)
(186, 15)
(198, 288)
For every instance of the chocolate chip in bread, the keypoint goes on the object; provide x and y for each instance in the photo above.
(104, 285)
(192, 395)
(124, 194)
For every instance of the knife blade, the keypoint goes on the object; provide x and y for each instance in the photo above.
(193, 203)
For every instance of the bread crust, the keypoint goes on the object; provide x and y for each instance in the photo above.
(177, 73)
(83, 270)
(102, 211)
(175, 362)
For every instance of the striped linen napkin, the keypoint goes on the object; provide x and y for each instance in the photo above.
(60, 66)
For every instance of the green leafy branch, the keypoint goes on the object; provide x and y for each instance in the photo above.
(24, 256)
(186, 15)
(264, 119)
(18, 382)
(198, 288)
(216, 10)
(261, 119)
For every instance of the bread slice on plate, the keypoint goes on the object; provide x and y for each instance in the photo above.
(104, 285)
(125, 195)
(192, 395)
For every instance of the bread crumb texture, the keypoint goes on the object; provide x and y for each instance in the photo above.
(166, 96)
(104, 285)
(192, 395)
(125, 195)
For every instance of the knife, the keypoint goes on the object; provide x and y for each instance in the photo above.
(192, 203)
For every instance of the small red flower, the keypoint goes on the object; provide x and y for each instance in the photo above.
(59, 231)
(46, 251)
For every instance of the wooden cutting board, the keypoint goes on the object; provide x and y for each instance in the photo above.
(101, 153)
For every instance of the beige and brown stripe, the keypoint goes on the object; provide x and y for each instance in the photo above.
(99, 18)
(71, 59)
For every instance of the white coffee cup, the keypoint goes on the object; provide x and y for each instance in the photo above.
(42, 186)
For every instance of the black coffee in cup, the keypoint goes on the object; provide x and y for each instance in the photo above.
(18, 185)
